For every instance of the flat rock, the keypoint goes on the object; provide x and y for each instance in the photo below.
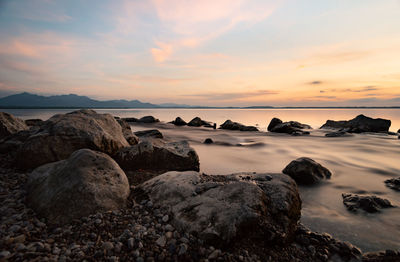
(85, 183)
(224, 209)
(10, 124)
(393, 183)
(306, 171)
(153, 133)
(228, 124)
(127, 132)
(370, 204)
(158, 155)
(360, 124)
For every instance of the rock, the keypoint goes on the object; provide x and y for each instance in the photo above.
(161, 241)
(306, 171)
(386, 256)
(370, 204)
(85, 183)
(393, 183)
(274, 122)
(108, 246)
(153, 133)
(228, 124)
(4, 255)
(127, 132)
(227, 208)
(292, 127)
(158, 155)
(148, 120)
(198, 122)
(336, 134)
(179, 122)
(34, 122)
(10, 125)
(130, 119)
(63, 134)
(398, 131)
(208, 141)
(360, 124)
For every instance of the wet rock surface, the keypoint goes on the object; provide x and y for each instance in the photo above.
(306, 171)
(292, 127)
(393, 183)
(10, 124)
(148, 120)
(179, 122)
(197, 121)
(228, 124)
(152, 133)
(370, 204)
(360, 124)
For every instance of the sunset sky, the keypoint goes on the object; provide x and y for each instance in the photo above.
(205, 52)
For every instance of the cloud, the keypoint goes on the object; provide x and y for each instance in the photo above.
(162, 52)
(232, 95)
(315, 83)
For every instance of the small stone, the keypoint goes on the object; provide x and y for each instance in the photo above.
(208, 141)
(14, 228)
(168, 235)
(98, 221)
(56, 251)
(182, 249)
(108, 246)
(214, 254)
(184, 240)
(139, 259)
(165, 218)
(4, 254)
(118, 247)
(161, 241)
(168, 227)
(19, 239)
(20, 247)
(131, 243)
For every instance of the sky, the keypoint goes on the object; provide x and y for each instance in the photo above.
(204, 52)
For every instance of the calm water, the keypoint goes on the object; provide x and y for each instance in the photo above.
(259, 117)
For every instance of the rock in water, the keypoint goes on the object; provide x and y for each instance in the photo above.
(148, 120)
(197, 121)
(127, 132)
(370, 204)
(158, 155)
(274, 122)
(63, 134)
(179, 122)
(208, 141)
(222, 209)
(306, 171)
(228, 124)
(10, 125)
(85, 183)
(393, 183)
(34, 122)
(360, 124)
(153, 133)
(292, 127)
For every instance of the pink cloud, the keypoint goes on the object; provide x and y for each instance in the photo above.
(162, 52)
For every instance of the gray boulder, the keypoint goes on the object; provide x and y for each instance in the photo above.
(152, 133)
(197, 121)
(127, 132)
(306, 171)
(228, 124)
(370, 204)
(179, 122)
(360, 124)
(158, 155)
(63, 134)
(10, 125)
(225, 209)
(85, 183)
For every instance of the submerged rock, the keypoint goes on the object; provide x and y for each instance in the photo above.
(306, 171)
(292, 127)
(370, 204)
(10, 124)
(85, 183)
(127, 132)
(153, 133)
(179, 122)
(63, 134)
(158, 155)
(197, 121)
(223, 209)
(393, 183)
(228, 124)
(360, 124)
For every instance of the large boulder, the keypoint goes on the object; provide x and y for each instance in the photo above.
(10, 125)
(197, 121)
(306, 171)
(228, 124)
(127, 132)
(179, 122)
(360, 124)
(85, 183)
(225, 209)
(158, 155)
(370, 204)
(291, 127)
(63, 134)
(274, 122)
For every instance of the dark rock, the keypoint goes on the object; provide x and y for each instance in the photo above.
(336, 134)
(306, 171)
(179, 122)
(197, 121)
(369, 204)
(34, 122)
(158, 155)
(387, 256)
(127, 132)
(228, 208)
(85, 183)
(208, 141)
(360, 124)
(228, 124)
(10, 125)
(153, 133)
(148, 120)
(393, 183)
(130, 119)
(63, 134)
(274, 122)
(398, 131)
(12, 143)
(292, 127)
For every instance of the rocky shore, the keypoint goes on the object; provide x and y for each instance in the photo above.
(100, 193)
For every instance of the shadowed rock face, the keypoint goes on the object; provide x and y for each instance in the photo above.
(153, 133)
(61, 135)
(158, 155)
(86, 183)
(127, 132)
(179, 122)
(360, 124)
(306, 171)
(10, 125)
(370, 204)
(222, 209)
(228, 124)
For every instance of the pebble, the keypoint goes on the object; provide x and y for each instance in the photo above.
(161, 241)
(165, 218)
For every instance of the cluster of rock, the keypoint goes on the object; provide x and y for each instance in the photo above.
(228, 124)
(370, 204)
(359, 124)
(196, 122)
(393, 183)
(145, 120)
(292, 127)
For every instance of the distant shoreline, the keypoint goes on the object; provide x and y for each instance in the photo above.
(205, 107)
